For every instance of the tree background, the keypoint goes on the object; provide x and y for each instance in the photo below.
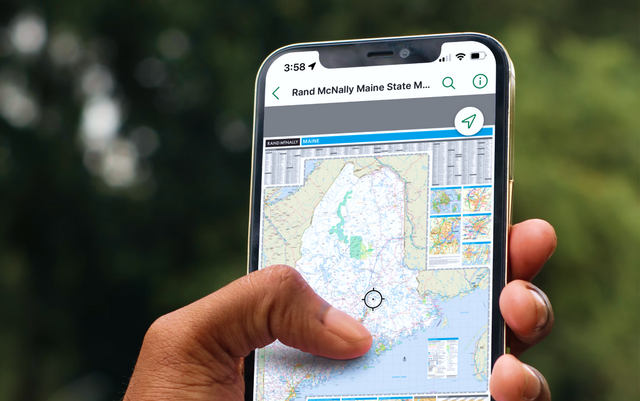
(125, 134)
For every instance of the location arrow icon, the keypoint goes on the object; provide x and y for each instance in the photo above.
(469, 120)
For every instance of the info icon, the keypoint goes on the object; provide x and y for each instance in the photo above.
(469, 121)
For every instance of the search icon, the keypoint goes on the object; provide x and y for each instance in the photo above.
(447, 82)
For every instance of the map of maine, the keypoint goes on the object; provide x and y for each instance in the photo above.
(353, 225)
(286, 220)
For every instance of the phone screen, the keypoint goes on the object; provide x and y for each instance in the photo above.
(378, 184)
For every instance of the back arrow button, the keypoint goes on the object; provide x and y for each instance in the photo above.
(274, 93)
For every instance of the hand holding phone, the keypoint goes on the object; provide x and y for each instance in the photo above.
(196, 353)
(382, 176)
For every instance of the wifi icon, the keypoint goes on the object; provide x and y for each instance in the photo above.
(460, 56)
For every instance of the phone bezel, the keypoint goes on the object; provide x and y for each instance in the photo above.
(430, 45)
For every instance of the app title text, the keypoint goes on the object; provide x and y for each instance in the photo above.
(364, 88)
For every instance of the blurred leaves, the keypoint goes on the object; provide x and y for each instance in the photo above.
(86, 266)
(577, 166)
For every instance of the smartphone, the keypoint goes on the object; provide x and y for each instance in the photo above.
(382, 172)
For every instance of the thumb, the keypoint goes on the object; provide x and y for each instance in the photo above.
(277, 303)
(196, 352)
(269, 304)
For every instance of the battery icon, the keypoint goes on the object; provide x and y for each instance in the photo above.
(478, 56)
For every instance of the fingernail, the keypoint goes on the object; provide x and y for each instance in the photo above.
(532, 387)
(344, 326)
(541, 306)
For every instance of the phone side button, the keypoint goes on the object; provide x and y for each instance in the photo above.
(510, 203)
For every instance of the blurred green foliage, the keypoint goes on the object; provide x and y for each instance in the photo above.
(86, 265)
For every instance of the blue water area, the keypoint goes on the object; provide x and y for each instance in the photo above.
(281, 194)
(309, 166)
(404, 368)
(440, 206)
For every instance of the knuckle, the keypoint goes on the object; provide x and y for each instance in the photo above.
(268, 285)
(284, 281)
(286, 289)
(158, 330)
(164, 333)
(175, 338)
(288, 284)
(172, 347)
(283, 274)
(172, 342)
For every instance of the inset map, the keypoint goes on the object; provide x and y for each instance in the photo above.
(476, 227)
(444, 235)
(446, 200)
(477, 199)
(475, 254)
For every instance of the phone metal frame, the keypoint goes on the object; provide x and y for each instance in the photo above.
(428, 49)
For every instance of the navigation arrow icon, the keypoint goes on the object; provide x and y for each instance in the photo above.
(469, 120)
(276, 96)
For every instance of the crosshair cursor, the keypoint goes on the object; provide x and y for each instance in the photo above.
(469, 120)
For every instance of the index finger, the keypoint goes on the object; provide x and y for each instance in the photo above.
(531, 243)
